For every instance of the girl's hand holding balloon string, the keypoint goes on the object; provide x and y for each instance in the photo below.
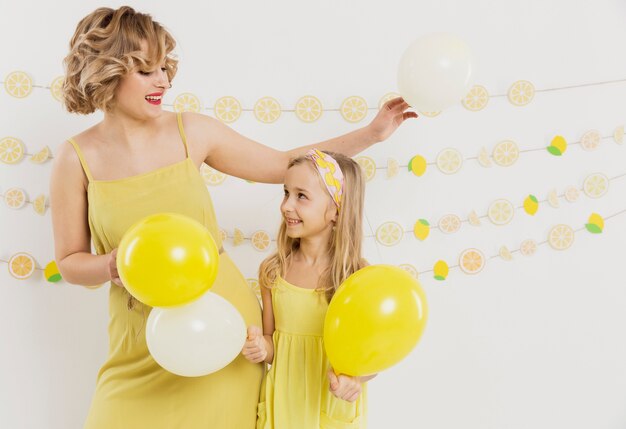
(344, 386)
(255, 348)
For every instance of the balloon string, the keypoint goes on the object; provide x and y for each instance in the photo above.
(561, 88)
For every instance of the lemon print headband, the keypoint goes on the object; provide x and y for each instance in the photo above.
(331, 174)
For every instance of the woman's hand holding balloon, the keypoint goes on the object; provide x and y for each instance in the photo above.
(112, 267)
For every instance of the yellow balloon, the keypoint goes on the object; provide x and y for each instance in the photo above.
(374, 320)
(167, 259)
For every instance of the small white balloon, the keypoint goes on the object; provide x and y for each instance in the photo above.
(435, 72)
(196, 339)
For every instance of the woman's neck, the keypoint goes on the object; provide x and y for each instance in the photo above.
(126, 130)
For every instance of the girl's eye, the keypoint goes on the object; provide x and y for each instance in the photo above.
(163, 69)
(144, 73)
(301, 195)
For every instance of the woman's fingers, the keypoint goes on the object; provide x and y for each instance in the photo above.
(394, 102)
(115, 277)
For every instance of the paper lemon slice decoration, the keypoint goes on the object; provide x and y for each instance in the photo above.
(483, 158)
(15, 198)
(449, 161)
(595, 224)
(238, 237)
(187, 102)
(471, 261)
(21, 266)
(211, 176)
(18, 84)
(51, 272)
(309, 109)
(500, 212)
(449, 224)
(505, 253)
(558, 146)
(521, 93)
(571, 194)
(256, 288)
(410, 269)
(421, 229)
(227, 109)
(368, 166)
(56, 88)
(387, 97)
(267, 110)
(505, 153)
(223, 235)
(42, 156)
(440, 270)
(392, 168)
(561, 237)
(11, 150)
(553, 199)
(39, 205)
(476, 99)
(528, 247)
(531, 205)
(618, 135)
(389, 234)
(473, 218)
(596, 185)
(260, 240)
(591, 140)
(417, 165)
(353, 109)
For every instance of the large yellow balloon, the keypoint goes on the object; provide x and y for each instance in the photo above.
(167, 259)
(374, 320)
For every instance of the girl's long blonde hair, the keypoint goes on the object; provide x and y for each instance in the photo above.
(345, 240)
(106, 45)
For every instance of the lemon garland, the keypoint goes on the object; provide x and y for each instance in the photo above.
(15, 198)
(309, 109)
(560, 237)
(22, 266)
(13, 150)
(500, 211)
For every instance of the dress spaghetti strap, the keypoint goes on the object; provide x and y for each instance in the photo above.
(82, 159)
(181, 130)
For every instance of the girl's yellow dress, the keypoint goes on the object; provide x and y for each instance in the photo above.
(132, 390)
(295, 392)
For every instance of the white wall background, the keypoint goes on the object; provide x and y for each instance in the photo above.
(536, 343)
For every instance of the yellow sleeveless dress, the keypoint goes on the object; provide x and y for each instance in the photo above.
(295, 392)
(132, 390)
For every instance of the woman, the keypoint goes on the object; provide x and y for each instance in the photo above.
(140, 160)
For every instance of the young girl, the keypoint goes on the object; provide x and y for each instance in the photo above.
(319, 246)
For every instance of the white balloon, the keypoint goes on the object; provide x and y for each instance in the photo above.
(435, 72)
(198, 338)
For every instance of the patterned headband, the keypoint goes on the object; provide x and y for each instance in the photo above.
(330, 173)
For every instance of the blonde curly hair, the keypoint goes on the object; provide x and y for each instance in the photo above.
(108, 44)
